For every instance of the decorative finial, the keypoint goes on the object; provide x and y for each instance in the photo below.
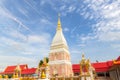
(83, 56)
(59, 23)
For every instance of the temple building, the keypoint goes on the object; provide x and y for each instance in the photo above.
(59, 56)
(20, 70)
(108, 70)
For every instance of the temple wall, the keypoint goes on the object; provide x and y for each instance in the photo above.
(115, 73)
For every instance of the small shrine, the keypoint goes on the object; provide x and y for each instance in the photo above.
(43, 70)
(87, 72)
(17, 72)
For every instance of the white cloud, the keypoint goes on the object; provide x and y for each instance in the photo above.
(45, 21)
(66, 29)
(81, 45)
(107, 15)
(9, 46)
(42, 39)
(5, 13)
(15, 41)
(7, 41)
(63, 7)
(16, 34)
(116, 46)
(71, 8)
(109, 36)
(31, 46)
(23, 11)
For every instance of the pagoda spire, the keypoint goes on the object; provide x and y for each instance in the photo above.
(59, 48)
(59, 23)
(59, 37)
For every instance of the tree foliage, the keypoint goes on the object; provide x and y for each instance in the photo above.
(40, 63)
(47, 59)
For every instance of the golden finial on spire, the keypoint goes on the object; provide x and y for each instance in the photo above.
(59, 23)
(83, 56)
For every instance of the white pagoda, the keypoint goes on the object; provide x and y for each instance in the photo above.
(59, 56)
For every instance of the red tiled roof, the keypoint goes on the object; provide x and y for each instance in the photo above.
(24, 67)
(10, 69)
(99, 67)
(29, 71)
(76, 68)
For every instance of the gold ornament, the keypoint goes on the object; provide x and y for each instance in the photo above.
(43, 76)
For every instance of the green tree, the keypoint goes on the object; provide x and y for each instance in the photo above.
(47, 59)
(40, 63)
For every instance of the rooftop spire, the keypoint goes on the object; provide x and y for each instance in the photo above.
(59, 23)
(83, 56)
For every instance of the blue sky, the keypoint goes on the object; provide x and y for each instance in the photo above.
(27, 28)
